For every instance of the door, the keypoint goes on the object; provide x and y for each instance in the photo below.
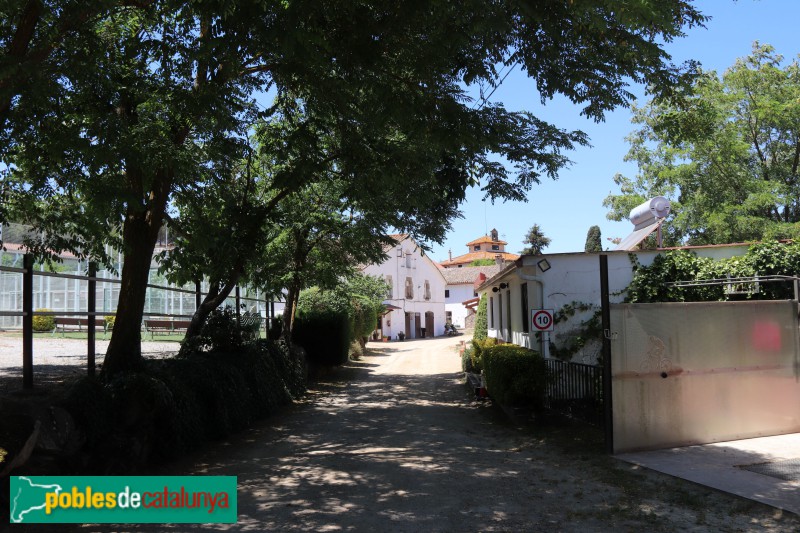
(429, 331)
(417, 326)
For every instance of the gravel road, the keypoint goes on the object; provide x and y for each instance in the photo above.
(395, 443)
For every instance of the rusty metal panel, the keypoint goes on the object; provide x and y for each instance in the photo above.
(694, 373)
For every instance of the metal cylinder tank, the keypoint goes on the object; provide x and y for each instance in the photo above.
(656, 207)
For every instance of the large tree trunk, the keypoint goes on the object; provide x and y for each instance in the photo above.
(139, 234)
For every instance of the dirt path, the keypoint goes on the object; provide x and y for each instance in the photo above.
(395, 443)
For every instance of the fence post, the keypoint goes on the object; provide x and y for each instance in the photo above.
(91, 308)
(606, 321)
(238, 307)
(27, 322)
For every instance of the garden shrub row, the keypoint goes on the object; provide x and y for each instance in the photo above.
(514, 375)
(174, 405)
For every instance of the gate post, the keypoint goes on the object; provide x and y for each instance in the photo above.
(605, 313)
(91, 297)
(27, 322)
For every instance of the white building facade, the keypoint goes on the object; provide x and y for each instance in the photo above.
(462, 284)
(417, 294)
(568, 281)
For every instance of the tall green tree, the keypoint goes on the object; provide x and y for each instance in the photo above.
(142, 99)
(594, 242)
(536, 241)
(726, 153)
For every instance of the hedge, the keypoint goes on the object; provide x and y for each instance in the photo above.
(176, 404)
(515, 375)
(325, 336)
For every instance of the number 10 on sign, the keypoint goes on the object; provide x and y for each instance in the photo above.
(542, 319)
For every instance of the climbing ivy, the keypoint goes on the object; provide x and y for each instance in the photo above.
(575, 340)
(651, 283)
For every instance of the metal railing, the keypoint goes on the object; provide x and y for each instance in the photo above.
(575, 390)
(27, 313)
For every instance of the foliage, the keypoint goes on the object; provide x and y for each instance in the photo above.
(108, 322)
(769, 258)
(515, 375)
(43, 323)
(724, 153)
(536, 241)
(220, 333)
(356, 351)
(586, 333)
(325, 335)
(478, 349)
(481, 321)
(107, 117)
(466, 361)
(482, 262)
(594, 242)
(177, 404)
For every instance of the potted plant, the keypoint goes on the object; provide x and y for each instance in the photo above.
(401, 336)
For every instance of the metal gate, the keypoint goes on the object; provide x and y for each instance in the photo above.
(694, 373)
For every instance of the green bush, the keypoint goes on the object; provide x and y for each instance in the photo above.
(466, 361)
(478, 347)
(108, 322)
(515, 375)
(324, 335)
(481, 322)
(43, 323)
(174, 405)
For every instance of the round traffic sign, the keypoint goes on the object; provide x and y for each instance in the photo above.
(543, 319)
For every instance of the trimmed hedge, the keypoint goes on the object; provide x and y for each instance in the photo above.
(176, 404)
(478, 347)
(515, 375)
(325, 336)
(43, 323)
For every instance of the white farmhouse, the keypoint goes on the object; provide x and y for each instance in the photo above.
(416, 297)
(461, 291)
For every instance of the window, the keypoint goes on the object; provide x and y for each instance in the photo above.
(408, 260)
(390, 290)
(409, 288)
(447, 293)
(477, 248)
(525, 323)
(449, 316)
(491, 312)
(427, 290)
(496, 247)
(474, 294)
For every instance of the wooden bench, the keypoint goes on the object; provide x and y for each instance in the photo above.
(76, 324)
(153, 325)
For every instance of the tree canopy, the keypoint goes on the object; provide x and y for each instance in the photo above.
(112, 109)
(594, 242)
(536, 241)
(726, 153)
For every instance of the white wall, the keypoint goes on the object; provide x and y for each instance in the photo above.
(453, 303)
(571, 278)
(406, 260)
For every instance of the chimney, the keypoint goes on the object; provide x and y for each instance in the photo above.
(450, 254)
(498, 259)
(479, 280)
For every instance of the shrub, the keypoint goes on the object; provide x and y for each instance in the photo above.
(515, 375)
(481, 322)
(43, 323)
(108, 322)
(466, 361)
(356, 351)
(478, 347)
(324, 335)
(174, 405)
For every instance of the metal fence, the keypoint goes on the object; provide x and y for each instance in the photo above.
(575, 390)
(76, 295)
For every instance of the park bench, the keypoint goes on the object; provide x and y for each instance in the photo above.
(153, 325)
(76, 324)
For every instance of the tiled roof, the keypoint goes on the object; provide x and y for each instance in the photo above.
(485, 238)
(468, 275)
(472, 256)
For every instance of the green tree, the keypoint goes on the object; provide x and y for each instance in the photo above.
(481, 321)
(138, 100)
(536, 241)
(482, 262)
(594, 242)
(726, 153)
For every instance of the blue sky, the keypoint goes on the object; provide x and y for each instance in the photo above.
(566, 208)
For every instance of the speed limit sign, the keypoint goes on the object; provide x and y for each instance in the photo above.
(542, 319)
